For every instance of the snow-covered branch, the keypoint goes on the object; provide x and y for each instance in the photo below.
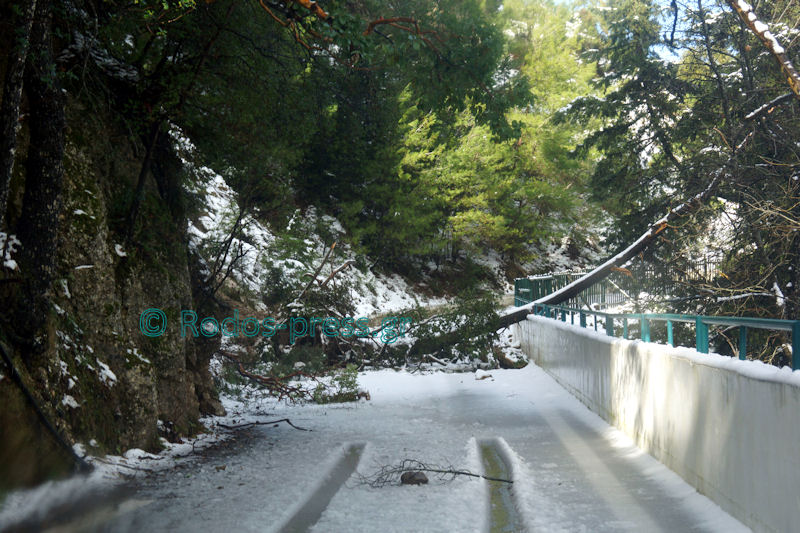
(767, 108)
(761, 30)
(621, 258)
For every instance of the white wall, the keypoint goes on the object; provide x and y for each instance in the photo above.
(730, 428)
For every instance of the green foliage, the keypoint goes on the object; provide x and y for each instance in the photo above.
(343, 387)
(676, 113)
(457, 185)
(421, 136)
(312, 358)
(277, 288)
(293, 257)
(464, 330)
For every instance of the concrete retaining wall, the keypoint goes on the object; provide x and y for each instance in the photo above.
(730, 428)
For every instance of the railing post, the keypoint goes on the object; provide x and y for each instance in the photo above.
(625, 328)
(796, 345)
(583, 319)
(670, 339)
(742, 342)
(563, 315)
(595, 321)
(701, 334)
(609, 326)
(644, 324)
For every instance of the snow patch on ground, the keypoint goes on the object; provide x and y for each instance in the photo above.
(571, 471)
(112, 470)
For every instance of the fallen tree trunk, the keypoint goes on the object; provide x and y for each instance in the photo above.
(426, 346)
(580, 284)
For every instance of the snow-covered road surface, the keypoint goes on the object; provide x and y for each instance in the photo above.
(571, 471)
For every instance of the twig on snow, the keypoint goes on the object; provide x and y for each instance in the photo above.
(258, 423)
(388, 475)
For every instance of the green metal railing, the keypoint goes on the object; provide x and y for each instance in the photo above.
(604, 292)
(701, 323)
(619, 286)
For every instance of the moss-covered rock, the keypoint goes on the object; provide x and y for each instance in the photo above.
(97, 376)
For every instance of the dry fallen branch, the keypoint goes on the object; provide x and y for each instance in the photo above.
(336, 271)
(277, 385)
(315, 274)
(390, 475)
(257, 423)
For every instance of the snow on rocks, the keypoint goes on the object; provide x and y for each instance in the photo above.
(482, 374)
(9, 245)
(136, 454)
(69, 401)
(780, 299)
(105, 374)
(81, 212)
(65, 288)
(135, 353)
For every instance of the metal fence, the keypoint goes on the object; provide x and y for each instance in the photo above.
(603, 293)
(621, 285)
(612, 322)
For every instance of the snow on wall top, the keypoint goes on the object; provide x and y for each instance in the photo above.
(752, 369)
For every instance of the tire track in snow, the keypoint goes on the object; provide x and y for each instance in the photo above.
(504, 517)
(309, 511)
(632, 515)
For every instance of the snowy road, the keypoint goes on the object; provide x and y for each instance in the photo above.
(571, 471)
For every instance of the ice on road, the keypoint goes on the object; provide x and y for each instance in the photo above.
(571, 471)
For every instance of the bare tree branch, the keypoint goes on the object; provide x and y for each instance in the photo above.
(388, 475)
(279, 386)
(259, 423)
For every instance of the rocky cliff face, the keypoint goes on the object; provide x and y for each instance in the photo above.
(98, 378)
